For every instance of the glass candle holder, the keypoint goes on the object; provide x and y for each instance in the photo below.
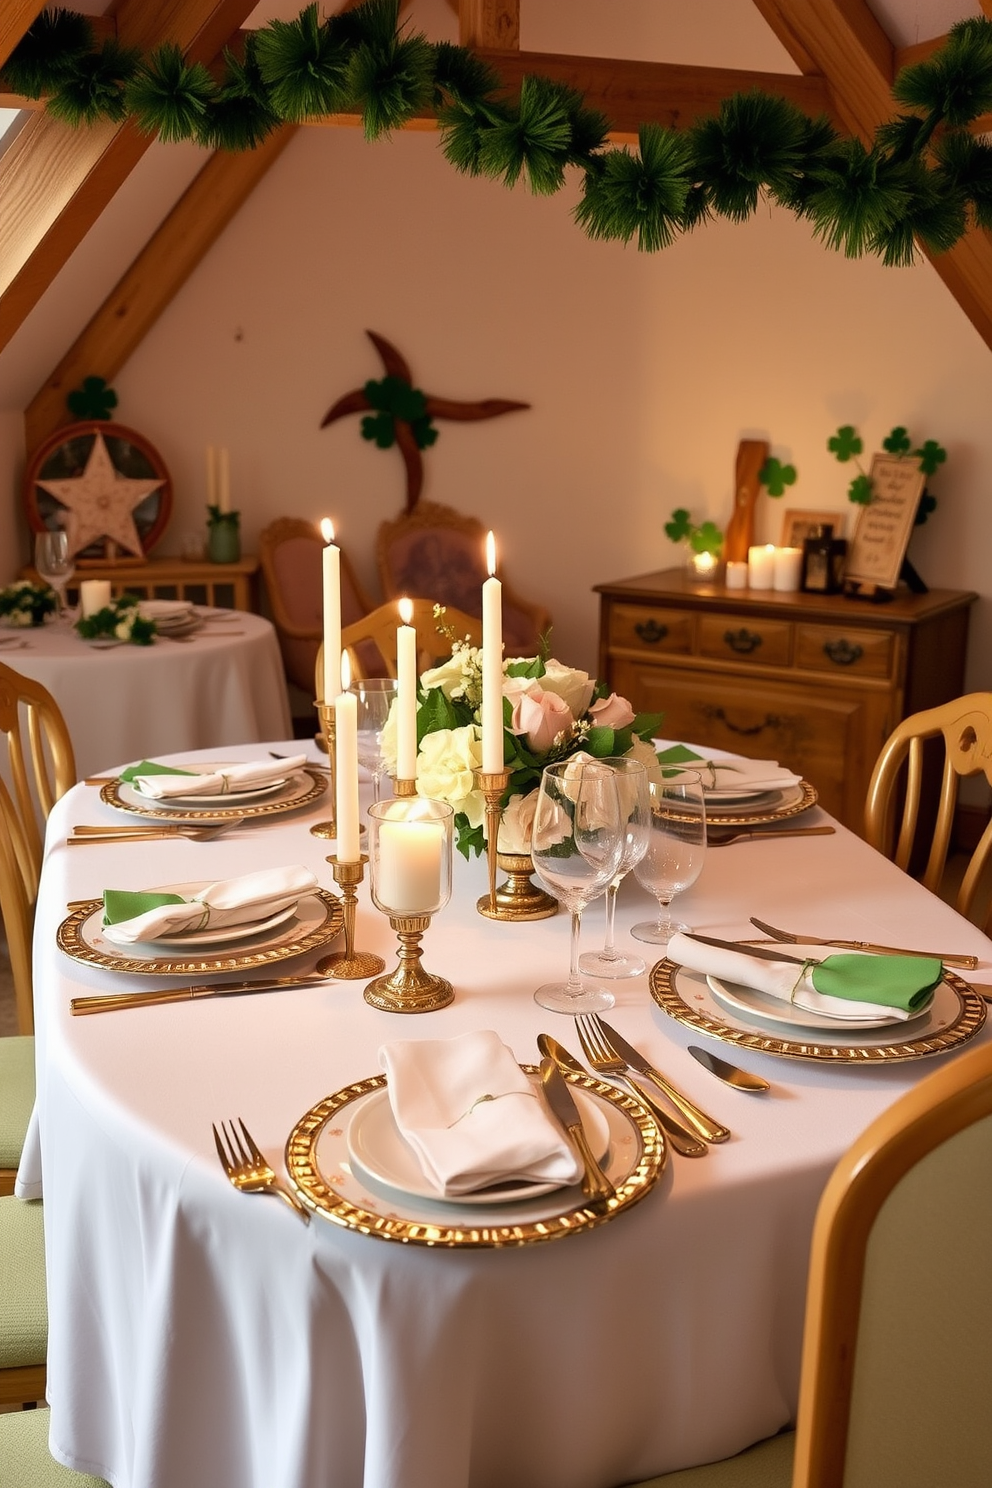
(410, 844)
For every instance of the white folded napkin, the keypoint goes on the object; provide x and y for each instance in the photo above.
(165, 609)
(472, 1116)
(228, 901)
(780, 979)
(740, 776)
(219, 782)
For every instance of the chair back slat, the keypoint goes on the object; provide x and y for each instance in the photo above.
(434, 638)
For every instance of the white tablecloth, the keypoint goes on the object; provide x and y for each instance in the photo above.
(203, 1339)
(225, 686)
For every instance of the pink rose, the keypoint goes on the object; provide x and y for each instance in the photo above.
(613, 712)
(541, 717)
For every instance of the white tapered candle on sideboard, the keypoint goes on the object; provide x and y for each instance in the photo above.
(332, 611)
(223, 480)
(492, 664)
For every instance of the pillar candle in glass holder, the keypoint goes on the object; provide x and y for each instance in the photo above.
(761, 566)
(223, 480)
(346, 768)
(332, 611)
(788, 569)
(408, 880)
(492, 664)
(736, 576)
(406, 674)
(94, 595)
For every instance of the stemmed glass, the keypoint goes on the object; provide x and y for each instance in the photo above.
(375, 698)
(635, 817)
(675, 851)
(54, 562)
(576, 842)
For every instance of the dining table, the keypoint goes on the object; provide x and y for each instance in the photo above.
(222, 683)
(200, 1337)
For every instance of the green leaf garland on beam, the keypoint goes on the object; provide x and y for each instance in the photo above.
(922, 178)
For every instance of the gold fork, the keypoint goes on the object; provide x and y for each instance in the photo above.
(626, 1057)
(146, 834)
(245, 1165)
(603, 1062)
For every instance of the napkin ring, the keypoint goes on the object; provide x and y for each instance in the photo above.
(482, 1100)
(800, 979)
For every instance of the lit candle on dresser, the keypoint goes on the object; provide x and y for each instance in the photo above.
(761, 566)
(332, 611)
(346, 767)
(408, 881)
(406, 674)
(788, 569)
(492, 664)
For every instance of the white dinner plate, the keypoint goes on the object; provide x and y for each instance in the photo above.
(245, 793)
(382, 1153)
(208, 937)
(771, 801)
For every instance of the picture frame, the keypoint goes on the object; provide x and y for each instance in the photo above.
(797, 525)
(876, 552)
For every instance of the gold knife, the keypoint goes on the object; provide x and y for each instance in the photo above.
(113, 1001)
(595, 1185)
(966, 963)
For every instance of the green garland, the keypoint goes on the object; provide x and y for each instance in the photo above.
(394, 399)
(923, 177)
(121, 620)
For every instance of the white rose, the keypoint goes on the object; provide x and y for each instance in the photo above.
(641, 750)
(123, 628)
(449, 676)
(387, 739)
(446, 767)
(517, 821)
(20, 617)
(573, 686)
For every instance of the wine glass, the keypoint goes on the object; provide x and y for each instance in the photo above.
(54, 562)
(635, 817)
(576, 842)
(676, 847)
(375, 698)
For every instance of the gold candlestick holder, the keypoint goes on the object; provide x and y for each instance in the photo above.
(404, 787)
(349, 965)
(328, 728)
(518, 897)
(492, 784)
(410, 988)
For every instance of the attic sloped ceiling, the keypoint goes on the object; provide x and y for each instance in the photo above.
(55, 182)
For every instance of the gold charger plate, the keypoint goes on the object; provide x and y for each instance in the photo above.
(317, 920)
(951, 1020)
(796, 799)
(318, 1165)
(304, 787)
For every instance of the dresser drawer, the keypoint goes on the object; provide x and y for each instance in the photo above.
(851, 653)
(650, 629)
(739, 638)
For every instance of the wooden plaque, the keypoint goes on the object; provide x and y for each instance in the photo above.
(878, 547)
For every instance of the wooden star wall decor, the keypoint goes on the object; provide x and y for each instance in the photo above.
(100, 502)
(399, 413)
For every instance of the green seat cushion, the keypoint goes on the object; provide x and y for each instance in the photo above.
(27, 1462)
(768, 1464)
(23, 1304)
(16, 1095)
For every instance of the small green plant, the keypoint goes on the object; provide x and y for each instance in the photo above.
(847, 445)
(775, 476)
(706, 538)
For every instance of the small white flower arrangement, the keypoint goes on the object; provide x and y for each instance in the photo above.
(121, 620)
(24, 603)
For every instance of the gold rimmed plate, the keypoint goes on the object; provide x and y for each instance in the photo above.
(320, 1167)
(770, 806)
(955, 1015)
(315, 922)
(300, 789)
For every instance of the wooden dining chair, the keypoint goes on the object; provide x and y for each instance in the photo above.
(42, 768)
(27, 1461)
(439, 553)
(23, 1302)
(290, 552)
(896, 1372)
(963, 730)
(436, 626)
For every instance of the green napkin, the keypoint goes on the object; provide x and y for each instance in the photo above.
(893, 981)
(123, 904)
(149, 767)
(679, 754)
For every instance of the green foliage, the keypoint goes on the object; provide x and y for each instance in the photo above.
(931, 456)
(679, 528)
(390, 76)
(396, 399)
(241, 115)
(49, 53)
(93, 399)
(169, 96)
(845, 444)
(898, 442)
(120, 620)
(706, 538)
(859, 491)
(24, 603)
(643, 196)
(96, 86)
(218, 518)
(303, 66)
(775, 476)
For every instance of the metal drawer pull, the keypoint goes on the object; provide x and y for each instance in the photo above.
(842, 653)
(772, 721)
(650, 631)
(742, 641)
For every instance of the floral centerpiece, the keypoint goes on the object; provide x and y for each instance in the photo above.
(121, 620)
(26, 604)
(551, 712)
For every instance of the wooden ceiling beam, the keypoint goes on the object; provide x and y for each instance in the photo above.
(842, 41)
(159, 271)
(489, 24)
(16, 17)
(55, 181)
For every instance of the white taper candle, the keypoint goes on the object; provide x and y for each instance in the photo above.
(492, 664)
(346, 767)
(332, 611)
(406, 673)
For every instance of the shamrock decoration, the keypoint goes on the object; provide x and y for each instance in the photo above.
(846, 445)
(706, 538)
(776, 476)
(93, 400)
(396, 399)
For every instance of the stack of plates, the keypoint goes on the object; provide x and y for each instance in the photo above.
(173, 617)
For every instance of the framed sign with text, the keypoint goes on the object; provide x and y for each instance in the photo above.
(877, 549)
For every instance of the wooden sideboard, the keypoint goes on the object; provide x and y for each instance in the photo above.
(229, 586)
(815, 681)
